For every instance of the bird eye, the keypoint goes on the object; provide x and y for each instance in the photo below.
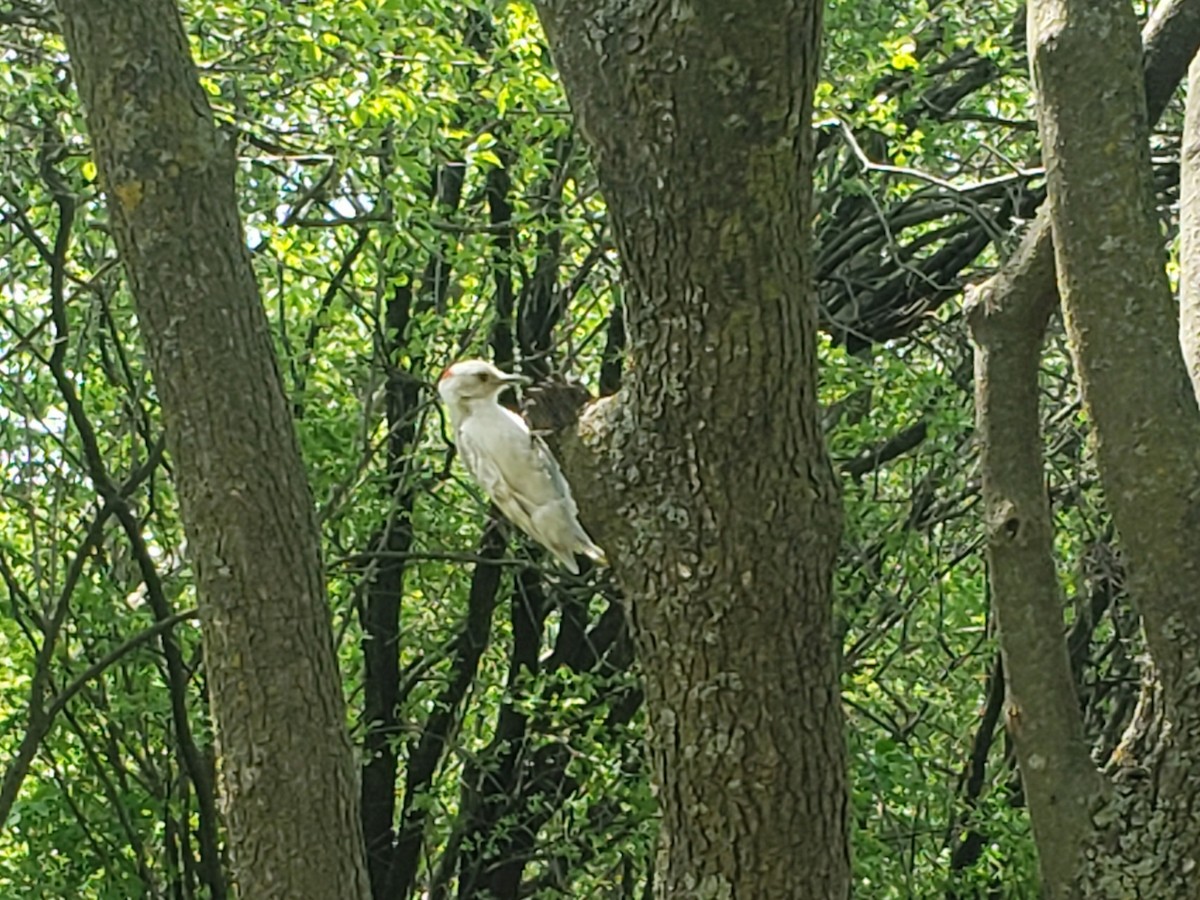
(482, 376)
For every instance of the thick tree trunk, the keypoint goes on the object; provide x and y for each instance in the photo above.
(708, 481)
(1121, 325)
(289, 784)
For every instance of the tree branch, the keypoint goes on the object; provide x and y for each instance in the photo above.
(1043, 711)
(1121, 318)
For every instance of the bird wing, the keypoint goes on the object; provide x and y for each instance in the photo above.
(521, 475)
(546, 462)
(496, 454)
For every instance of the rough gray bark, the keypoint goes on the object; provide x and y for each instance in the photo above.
(289, 781)
(1121, 326)
(706, 478)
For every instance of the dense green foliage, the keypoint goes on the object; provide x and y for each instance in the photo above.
(413, 191)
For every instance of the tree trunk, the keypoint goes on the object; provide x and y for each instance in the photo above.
(706, 478)
(1121, 326)
(1042, 708)
(286, 761)
(1119, 313)
(1008, 317)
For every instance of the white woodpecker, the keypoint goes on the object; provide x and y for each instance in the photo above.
(511, 463)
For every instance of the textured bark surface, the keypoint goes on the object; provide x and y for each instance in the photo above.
(289, 782)
(1171, 38)
(1119, 311)
(707, 479)
(1008, 317)
(1121, 325)
(1042, 711)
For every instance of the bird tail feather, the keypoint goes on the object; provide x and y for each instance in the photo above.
(594, 553)
(567, 558)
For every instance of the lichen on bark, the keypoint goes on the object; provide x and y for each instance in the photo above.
(706, 478)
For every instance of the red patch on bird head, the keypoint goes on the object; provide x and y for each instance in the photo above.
(445, 374)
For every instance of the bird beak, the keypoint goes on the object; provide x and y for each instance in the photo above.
(516, 379)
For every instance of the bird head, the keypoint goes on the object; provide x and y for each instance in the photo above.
(474, 379)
